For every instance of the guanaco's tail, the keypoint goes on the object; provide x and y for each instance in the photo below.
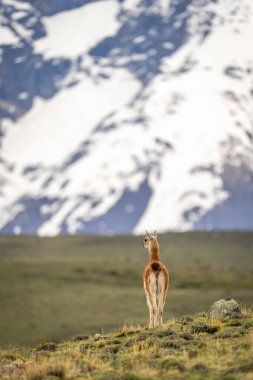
(155, 265)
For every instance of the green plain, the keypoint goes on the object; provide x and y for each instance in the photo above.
(54, 288)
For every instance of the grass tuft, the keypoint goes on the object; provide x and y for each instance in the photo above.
(46, 371)
(202, 327)
(80, 337)
(168, 364)
(47, 347)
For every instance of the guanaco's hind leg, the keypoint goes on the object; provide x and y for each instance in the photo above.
(151, 290)
(161, 296)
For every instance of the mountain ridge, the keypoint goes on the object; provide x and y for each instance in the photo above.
(151, 127)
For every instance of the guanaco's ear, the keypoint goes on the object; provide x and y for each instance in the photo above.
(155, 234)
(148, 235)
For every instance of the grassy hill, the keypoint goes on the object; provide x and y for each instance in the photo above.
(53, 288)
(188, 348)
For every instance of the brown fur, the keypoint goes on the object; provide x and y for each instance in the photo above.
(156, 281)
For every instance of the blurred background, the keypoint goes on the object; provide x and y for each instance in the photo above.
(118, 116)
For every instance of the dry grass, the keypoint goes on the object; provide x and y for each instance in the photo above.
(188, 348)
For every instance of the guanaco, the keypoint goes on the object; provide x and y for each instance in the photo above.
(155, 279)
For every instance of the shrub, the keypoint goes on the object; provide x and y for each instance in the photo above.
(234, 322)
(186, 336)
(167, 364)
(112, 349)
(141, 337)
(80, 337)
(202, 327)
(164, 332)
(192, 354)
(170, 344)
(248, 324)
(185, 320)
(113, 341)
(230, 332)
(244, 368)
(46, 347)
(199, 367)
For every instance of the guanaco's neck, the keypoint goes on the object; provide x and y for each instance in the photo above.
(154, 250)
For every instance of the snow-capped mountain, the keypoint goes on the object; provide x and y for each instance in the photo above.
(121, 116)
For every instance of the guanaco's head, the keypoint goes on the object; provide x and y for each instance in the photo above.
(148, 239)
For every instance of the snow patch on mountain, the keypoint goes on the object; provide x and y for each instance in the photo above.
(63, 122)
(149, 114)
(7, 37)
(74, 32)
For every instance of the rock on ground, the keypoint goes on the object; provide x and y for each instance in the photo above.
(225, 308)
